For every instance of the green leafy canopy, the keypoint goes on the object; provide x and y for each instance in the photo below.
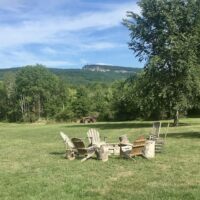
(166, 35)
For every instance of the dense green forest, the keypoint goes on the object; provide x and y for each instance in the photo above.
(35, 92)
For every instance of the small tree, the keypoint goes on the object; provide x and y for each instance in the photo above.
(125, 101)
(81, 104)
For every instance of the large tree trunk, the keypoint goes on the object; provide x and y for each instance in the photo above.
(22, 106)
(176, 118)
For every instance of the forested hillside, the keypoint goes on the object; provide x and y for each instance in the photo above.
(35, 92)
(85, 76)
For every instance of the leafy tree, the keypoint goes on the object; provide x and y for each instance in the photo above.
(166, 35)
(100, 95)
(82, 104)
(37, 92)
(125, 101)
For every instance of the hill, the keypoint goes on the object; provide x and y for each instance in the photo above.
(88, 74)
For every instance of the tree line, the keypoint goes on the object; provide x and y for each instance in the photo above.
(35, 93)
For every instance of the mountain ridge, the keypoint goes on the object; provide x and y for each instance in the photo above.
(87, 74)
(105, 68)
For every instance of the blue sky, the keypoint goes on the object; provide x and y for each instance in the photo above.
(65, 33)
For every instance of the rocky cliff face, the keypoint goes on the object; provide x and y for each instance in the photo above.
(108, 68)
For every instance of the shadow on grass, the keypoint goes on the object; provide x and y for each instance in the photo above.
(184, 135)
(113, 125)
(57, 153)
(62, 155)
(181, 124)
(121, 125)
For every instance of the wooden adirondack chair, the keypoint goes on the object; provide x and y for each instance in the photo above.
(155, 132)
(159, 141)
(138, 146)
(70, 148)
(82, 150)
(130, 150)
(94, 138)
(103, 149)
(125, 146)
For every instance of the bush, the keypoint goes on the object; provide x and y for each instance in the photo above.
(65, 115)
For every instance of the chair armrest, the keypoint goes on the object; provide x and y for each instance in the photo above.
(82, 148)
(91, 138)
(82, 138)
(125, 144)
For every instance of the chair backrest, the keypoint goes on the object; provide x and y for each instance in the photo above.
(138, 146)
(156, 128)
(93, 136)
(79, 145)
(66, 140)
(124, 139)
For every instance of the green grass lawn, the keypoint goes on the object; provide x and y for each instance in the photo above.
(32, 165)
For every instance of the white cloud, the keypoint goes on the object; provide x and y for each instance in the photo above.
(21, 58)
(48, 50)
(98, 46)
(17, 57)
(46, 30)
(58, 63)
(32, 26)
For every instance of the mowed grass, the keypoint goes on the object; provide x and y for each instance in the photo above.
(32, 165)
